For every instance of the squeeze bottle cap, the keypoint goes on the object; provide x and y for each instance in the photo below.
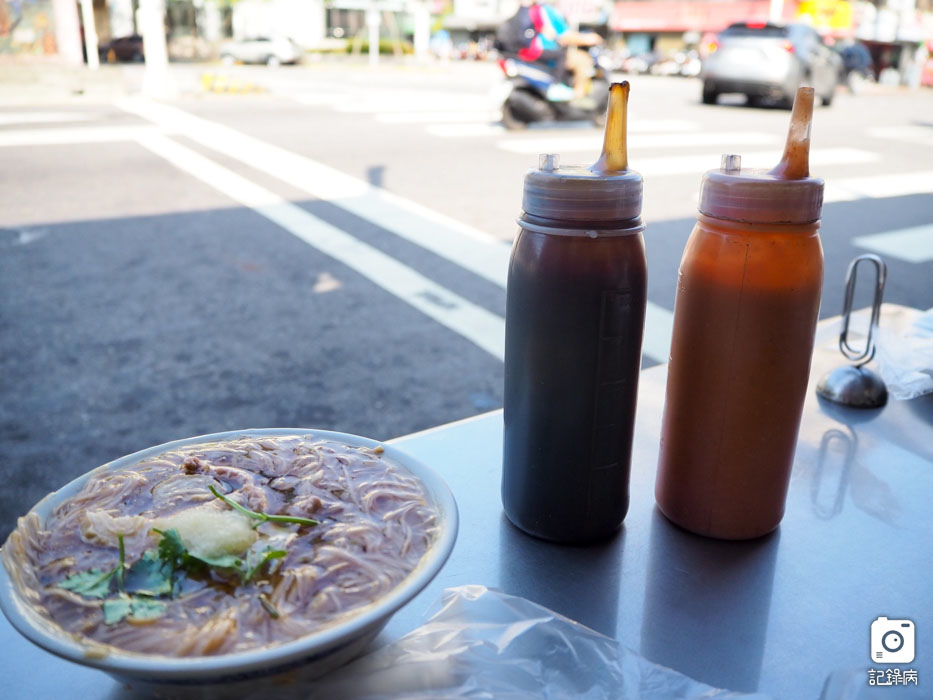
(605, 191)
(785, 194)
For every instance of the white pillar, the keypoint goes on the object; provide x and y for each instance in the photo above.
(372, 21)
(90, 34)
(212, 21)
(68, 31)
(776, 13)
(422, 30)
(121, 18)
(151, 22)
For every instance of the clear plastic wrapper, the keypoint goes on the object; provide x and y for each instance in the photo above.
(905, 359)
(483, 643)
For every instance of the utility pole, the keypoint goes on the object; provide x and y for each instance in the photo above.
(151, 21)
(90, 34)
(372, 22)
(776, 13)
(422, 17)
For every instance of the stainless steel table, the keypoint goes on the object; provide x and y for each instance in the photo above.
(775, 615)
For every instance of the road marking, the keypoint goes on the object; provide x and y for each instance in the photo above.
(387, 102)
(474, 116)
(849, 189)
(45, 117)
(914, 244)
(70, 135)
(318, 100)
(912, 134)
(474, 250)
(695, 164)
(460, 130)
(471, 249)
(476, 324)
(593, 143)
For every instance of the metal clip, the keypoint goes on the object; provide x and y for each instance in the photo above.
(861, 357)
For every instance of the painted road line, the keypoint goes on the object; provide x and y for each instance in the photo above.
(593, 143)
(909, 133)
(476, 251)
(391, 102)
(484, 116)
(461, 130)
(849, 189)
(70, 135)
(476, 324)
(695, 164)
(655, 126)
(8, 118)
(913, 245)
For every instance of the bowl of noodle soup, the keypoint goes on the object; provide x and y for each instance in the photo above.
(228, 558)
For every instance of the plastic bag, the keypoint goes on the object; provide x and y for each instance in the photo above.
(483, 643)
(905, 360)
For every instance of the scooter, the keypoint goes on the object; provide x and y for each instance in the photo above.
(530, 94)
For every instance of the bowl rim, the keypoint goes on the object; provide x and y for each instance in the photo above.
(45, 633)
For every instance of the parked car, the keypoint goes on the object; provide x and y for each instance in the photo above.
(767, 60)
(271, 51)
(124, 48)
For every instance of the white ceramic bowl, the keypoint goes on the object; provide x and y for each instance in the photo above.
(308, 656)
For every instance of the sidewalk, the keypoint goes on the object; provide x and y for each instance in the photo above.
(32, 82)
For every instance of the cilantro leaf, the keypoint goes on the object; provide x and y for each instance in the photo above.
(146, 609)
(255, 561)
(150, 575)
(115, 609)
(124, 606)
(225, 561)
(172, 550)
(90, 584)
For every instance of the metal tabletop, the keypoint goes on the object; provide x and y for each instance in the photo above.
(775, 615)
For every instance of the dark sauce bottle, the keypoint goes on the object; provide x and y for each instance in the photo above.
(575, 314)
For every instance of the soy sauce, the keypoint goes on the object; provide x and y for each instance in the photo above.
(575, 314)
(575, 311)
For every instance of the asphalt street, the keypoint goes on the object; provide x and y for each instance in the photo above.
(331, 252)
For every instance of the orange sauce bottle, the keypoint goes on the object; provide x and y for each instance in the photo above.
(745, 314)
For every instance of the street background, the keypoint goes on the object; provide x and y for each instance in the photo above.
(325, 246)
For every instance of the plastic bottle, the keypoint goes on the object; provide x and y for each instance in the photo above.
(575, 315)
(745, 315)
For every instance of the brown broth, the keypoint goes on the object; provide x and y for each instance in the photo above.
(375, 524)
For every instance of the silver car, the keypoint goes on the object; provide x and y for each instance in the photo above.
(271, 51)
(763, 60)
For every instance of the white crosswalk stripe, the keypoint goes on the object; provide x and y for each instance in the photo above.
(638, 139)
(913, 244)
(914, 135)
(45, 117)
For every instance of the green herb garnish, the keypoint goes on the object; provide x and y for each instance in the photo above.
(268, 606)
(146, 579)
(117, 609)
(256, 560)
(150, 575)
(90, 584)
(174, 552)
(159, 573)
(261, 517)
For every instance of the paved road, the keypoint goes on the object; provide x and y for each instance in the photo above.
(331, 253)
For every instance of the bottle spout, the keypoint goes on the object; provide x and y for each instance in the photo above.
(614, 157)
(795, 163)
